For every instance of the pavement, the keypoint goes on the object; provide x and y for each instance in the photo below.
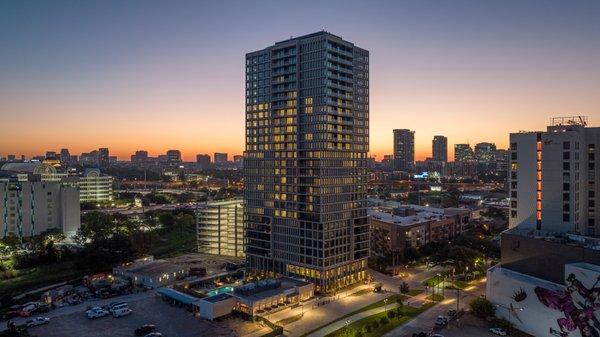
(80, 308)
(357, 317)
(320, 312)
(425, 321)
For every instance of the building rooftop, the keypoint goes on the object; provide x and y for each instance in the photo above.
(577, 240)
(158, 267)
(387, 211)
(34, 167)
(263, 289)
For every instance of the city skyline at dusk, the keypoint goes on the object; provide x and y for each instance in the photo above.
(116, 75)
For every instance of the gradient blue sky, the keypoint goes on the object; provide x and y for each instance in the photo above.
(169, 74)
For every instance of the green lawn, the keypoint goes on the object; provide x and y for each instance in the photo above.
(36, 277)
(435, 297)
(175, 243)
(414, 292)
(390, 300)
(406, 313)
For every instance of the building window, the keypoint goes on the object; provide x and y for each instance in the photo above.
(566, 145)
(566, 217)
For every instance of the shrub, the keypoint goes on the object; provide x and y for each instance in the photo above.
(384, 321)
(369, 328)
(375, 325)
(482, 308)
(391, 314)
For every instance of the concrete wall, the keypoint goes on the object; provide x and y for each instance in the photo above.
(543, 308)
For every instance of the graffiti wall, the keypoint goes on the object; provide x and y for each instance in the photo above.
(543, 308)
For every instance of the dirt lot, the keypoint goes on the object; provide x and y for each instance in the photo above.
(169, 320)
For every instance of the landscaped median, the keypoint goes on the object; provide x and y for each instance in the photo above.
(381, 323)
(395, 316)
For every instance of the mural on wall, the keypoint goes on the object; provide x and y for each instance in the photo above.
(577, 303)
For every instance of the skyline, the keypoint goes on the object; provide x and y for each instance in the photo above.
(172, 78)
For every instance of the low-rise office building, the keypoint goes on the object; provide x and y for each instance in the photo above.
(395, 227)
(257, 297)
(151, 273)
(29, 208)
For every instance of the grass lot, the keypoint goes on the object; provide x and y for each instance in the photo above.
(435, 297)
(175, 243)
(172, 243)
(36, 277)
(406, 313)
(414, 292)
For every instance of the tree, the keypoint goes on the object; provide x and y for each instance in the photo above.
(391, 314)
(404, 288)
(482, 308)
(411, 254)
(451, 198)
(384, 320)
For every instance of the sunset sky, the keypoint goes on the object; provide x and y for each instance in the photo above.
(157, 75)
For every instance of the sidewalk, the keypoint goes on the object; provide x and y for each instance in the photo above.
(357, 317)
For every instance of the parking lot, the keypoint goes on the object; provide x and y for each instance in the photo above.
(169, 320)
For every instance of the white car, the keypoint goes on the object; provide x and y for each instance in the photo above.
(441, 320)
(37, 321)
(96, 313)
(154, 334)
(122, 312)
(498, 331)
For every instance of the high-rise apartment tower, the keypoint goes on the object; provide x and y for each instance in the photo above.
(305, 164)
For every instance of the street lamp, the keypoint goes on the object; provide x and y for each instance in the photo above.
(510, 310)
(438, 285)
(385, 304)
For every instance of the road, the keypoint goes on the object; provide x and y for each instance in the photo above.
(140, 210)
(424, 322)
(320, 316)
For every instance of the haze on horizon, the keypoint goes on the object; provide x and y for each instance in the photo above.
(160, 75)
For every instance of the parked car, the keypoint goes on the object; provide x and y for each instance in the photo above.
(437, 335)
(114, 304)
(420, 334)
(154, 334)
(451, 313)
(122, 312)
(118, 307)
(96, 313)
(145, 329)
(441, 321)
(498, 331)
(37, 321)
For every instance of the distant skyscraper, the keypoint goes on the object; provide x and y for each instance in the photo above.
(51, 154)
(554, 178)
(305, 165)
(238, 160)
(485, 152)
(440, 148)
(65, 157)
(10, 157)
(404, 150)
(174, 157)
(140, 157)
(463, 152)
(103, 157)
(220, 159)
(203, 160)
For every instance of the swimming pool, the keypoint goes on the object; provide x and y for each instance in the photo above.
(221, 290)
